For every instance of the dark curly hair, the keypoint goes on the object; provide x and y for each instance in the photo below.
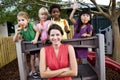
(54, 6)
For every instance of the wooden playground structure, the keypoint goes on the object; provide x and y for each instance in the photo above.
(85, 71)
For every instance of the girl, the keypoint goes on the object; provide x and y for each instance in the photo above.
(57, 61)
(30, 33)
(42, 26)
(82, 28)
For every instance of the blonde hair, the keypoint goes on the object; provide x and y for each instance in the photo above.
(23, 14)
(43, 10)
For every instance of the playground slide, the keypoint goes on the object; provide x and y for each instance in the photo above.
(109, 63)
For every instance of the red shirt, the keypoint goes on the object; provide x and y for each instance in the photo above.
(59, 62)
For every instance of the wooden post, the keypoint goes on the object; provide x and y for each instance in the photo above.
(100, 58)
(23, 69)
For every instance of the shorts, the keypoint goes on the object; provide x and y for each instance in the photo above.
(34, 52)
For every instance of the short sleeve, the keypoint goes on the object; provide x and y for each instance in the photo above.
(31, 24)
(90, 28)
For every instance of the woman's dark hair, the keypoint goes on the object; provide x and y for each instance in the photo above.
(55, 26)
(54, 6)
(79, 22)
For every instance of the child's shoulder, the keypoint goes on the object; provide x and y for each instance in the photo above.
(47, 21)
(89, 25)
(31, 23)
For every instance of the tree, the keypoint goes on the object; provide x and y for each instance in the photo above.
(10, 8)
(31, 6)
(112, 14)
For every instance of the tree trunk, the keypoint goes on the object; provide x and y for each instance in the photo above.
(116, 40)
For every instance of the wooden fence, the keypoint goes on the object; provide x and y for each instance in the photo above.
(7, 50)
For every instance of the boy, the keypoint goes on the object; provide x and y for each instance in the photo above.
(55, 12)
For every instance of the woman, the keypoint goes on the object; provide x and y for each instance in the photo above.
(57, 61)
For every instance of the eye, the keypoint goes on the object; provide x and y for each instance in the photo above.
(83, 14)
(52, 35)
(87, 15)
(57, 34)
(18, 20)
(22, 19)
(54, 12)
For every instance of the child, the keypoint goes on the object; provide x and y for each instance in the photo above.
(42, 26)
(83, 28)
(30, 33)
(55, 12)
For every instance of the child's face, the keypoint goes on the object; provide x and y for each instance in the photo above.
(55, 13)
(85, 18)
(43, 17)
(22, 21)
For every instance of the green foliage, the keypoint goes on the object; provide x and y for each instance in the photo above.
(10, 8)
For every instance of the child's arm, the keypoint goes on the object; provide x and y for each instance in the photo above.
(50, 23)
(72, 14)
(36, 36)
(17, 35)
(87, 35)
(89, 32)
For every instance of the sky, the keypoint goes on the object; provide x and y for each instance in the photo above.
(103, 2)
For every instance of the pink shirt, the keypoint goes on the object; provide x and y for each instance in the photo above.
(43, 29)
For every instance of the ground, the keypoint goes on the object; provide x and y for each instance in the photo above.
(11, 72)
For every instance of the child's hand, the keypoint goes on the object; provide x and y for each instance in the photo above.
(75, 5)
(66, 29)
(51, 22)
(34, 41)
(84, 35)
(18, 30)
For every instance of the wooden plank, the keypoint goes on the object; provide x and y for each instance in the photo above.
(90, 42)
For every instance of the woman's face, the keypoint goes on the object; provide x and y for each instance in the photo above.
(85, 18)
(55, 36)
(22, 22)
(55, 13)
